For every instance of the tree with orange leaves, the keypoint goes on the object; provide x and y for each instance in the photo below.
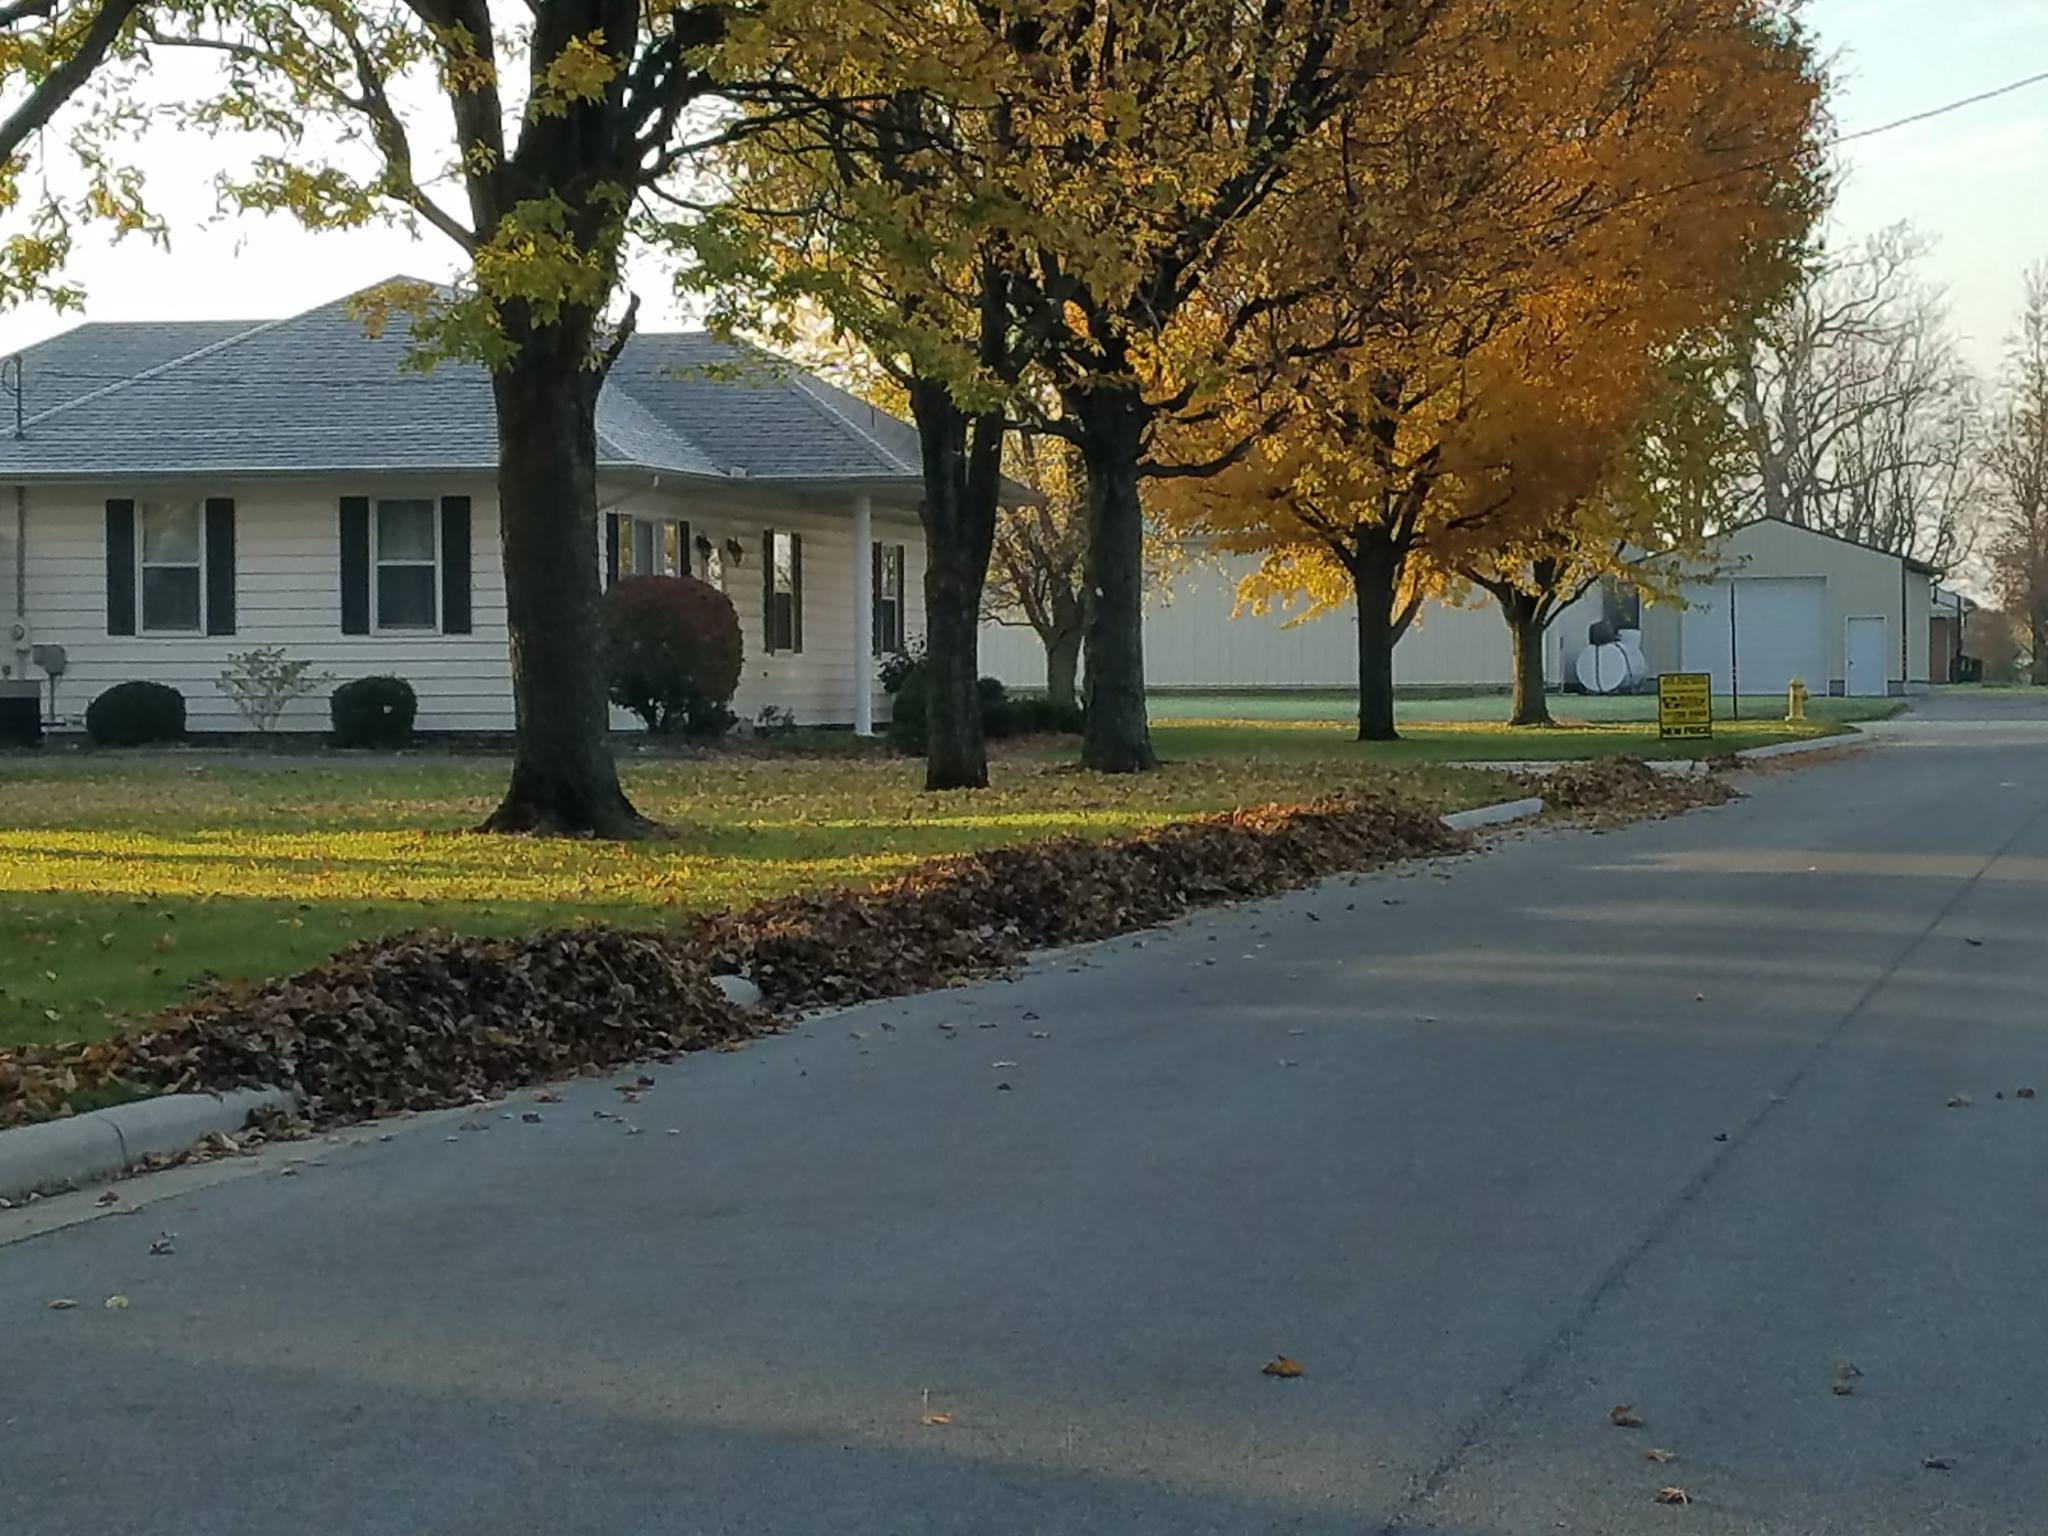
(1511, 238)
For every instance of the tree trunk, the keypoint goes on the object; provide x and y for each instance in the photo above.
(956, 753)
(564, 782)
(961, 499)
(1116, 737)
(1524, 614)
(1063, 665)
(1375, 578)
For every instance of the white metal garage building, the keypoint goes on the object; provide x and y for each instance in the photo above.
(1771, 602)
(1778, 602)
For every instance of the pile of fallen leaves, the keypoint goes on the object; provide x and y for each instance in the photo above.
(983, 912)
(1606, 791)
(426, 1020)
(414, 1021)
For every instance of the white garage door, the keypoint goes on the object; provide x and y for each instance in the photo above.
(1780, 627)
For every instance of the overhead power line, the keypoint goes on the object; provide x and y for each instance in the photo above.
(1657, 194)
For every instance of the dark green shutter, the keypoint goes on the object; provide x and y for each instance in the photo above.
(120, 567)
(768, 590)
(611, 550)
(796, 592)
(355, 565)
(454, 565)
(220, 565)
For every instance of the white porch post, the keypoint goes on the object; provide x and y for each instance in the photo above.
(863, 617)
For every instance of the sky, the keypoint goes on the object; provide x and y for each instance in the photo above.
(1975, 182)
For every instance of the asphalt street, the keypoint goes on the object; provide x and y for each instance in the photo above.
(1717, 1118)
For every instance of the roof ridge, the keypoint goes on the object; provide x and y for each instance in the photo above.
(257, 328)
(804, 381)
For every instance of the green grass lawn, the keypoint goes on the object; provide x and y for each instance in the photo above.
(1463, 741)
(125, 880)
(1477, 705)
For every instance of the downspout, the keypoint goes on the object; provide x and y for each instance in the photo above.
(1905, 635)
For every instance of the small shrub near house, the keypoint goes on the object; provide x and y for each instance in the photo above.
(262, 684)
(672, 653)
(373, 712)
(136, 714)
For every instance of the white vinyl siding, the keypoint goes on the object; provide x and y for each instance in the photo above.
(288, 593)
(288, 582)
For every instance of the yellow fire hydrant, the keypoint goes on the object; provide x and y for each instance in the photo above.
(1795, 699)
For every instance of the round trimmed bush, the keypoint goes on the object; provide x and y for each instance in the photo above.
(672, 653)
(373, 712)
(135, 714)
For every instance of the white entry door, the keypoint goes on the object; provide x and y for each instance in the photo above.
(1867, 653)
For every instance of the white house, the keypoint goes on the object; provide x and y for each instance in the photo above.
(181, 491)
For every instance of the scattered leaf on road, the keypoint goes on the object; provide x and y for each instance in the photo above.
(109, 1198)
(1938, 1463)
(545, 1097)
(116, 1303)
(531, 1117)
(2026, 1093)
(1283, 1367)
(162, 1246)
(1657, 1454)
(62, 1304)
(1623, 1416)
(1959, 1101)
(1673, 1496)
(1002, 1065)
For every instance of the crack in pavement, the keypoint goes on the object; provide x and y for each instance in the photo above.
(1661, 1224)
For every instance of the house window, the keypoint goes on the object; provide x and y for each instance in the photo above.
(888, 577)
(170, 559)
(654, 546)
(405, 552)
(784, 582)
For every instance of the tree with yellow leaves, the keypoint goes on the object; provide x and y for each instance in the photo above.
(1512, 236)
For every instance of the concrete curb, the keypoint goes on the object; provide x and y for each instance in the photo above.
(35, 1159)
(1811, 744)
(1504, 814)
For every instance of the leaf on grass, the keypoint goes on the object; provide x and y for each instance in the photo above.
(1284, 1367)
(1623, 1416)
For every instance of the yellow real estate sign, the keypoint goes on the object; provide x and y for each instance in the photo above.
(1685, 704)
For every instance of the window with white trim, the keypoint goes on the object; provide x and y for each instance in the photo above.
(783, 615)
(405, 556)
(170, 559)
(888, 581)
(653, 546)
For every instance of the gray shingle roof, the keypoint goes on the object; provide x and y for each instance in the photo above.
(312, 394)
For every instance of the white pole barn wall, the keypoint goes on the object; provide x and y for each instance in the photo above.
(1193, 641)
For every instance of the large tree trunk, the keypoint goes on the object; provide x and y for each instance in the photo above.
(1063, 665)
(564, 782)
(1375, 578)
(1527, 628)
(1117, 737)
(961, 499)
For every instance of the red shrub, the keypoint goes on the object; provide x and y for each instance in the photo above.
(672, 652)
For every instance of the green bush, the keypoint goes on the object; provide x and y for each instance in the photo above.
(904, 677)
(373, 712)
(135, 714)
(1033, 714)
(672, 653)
